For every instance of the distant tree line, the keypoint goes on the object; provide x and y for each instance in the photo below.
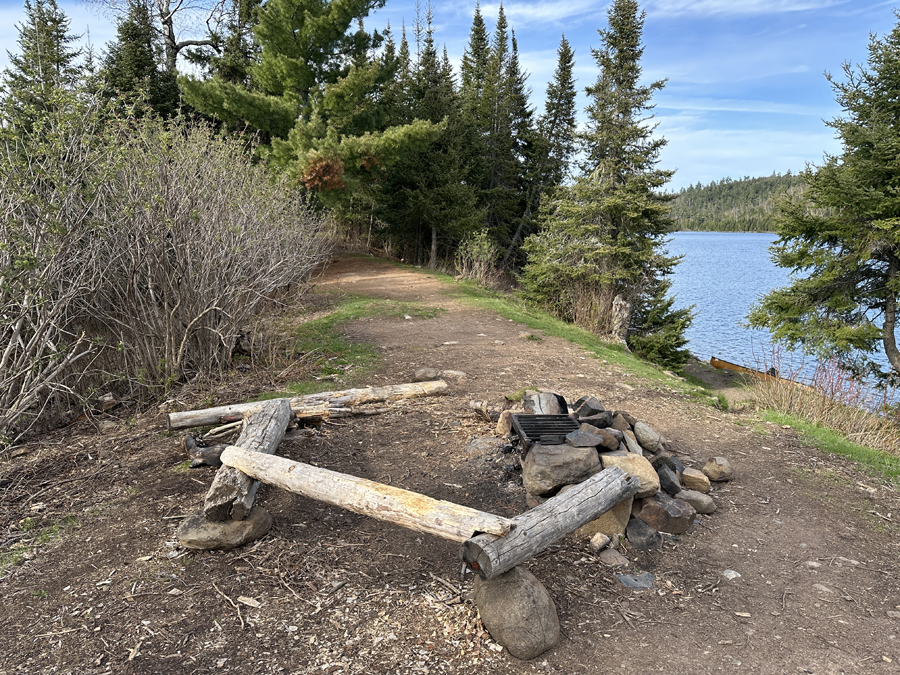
(729, 205)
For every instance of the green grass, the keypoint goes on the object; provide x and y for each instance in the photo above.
(874, 462)
(354, 362)
(39, 537)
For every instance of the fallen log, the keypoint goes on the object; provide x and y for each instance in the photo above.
(312, 406)
(232, 493)
(376, 500)
(539, 527)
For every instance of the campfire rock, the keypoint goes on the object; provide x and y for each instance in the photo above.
(585, 438)
(665, 514)
(608, 442)
(518, 612)
(638, 466)
(504, 424)
(668, 480)
(647, 437)
(588, 406)
(544, 403)
(631, 419)
(631, 443)
(612, 558)
(664, 458)
(702, 503)
(694, 479)
(613, 522)
(642, 536)
(718, 469)
(619, 422)
(600, 420)
(196, 532)
(547, 467)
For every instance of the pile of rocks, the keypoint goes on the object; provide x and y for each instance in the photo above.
(670, 495)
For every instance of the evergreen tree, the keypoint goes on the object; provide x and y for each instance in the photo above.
(597, 261)
(131, 67)
(841, 237)
(474, 64)
(235, 50)
(557, 125)
(47, 63)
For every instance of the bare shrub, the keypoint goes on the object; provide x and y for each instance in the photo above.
(476, 259)
(832, 399)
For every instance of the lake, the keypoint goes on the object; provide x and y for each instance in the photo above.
(723, 274)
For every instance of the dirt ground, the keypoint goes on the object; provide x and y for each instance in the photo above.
(101, 585)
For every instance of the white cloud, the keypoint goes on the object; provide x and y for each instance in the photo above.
(665, 102)
(545, 11)
(707, 8)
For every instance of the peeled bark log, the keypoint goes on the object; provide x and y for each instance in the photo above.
(312, 406)
(539, 527)
(232, 493)
(383, 502)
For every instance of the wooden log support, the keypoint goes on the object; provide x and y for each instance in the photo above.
(312, 406)
(232, 493)
(539, 527)
(383, 502)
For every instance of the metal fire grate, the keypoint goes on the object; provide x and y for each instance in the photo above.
(546, 429)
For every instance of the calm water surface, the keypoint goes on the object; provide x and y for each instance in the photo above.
(723, 275)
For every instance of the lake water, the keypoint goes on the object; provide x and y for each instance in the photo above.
(723, 274)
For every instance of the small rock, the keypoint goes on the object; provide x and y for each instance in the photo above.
(702, 503)
(641, 536)
(453, 374)
(638, 466)
(518, 612)
(588, 406)
(647, 437)
(631, 443)
(694, 479)
(718, 469)
(668, 480)
(483, 445)
(525, 335)
(641, 581)
(533, 500)
(425, 375)
(196, 532)
(504, 424)
(599, 541)
(664, 513)
(731, 575)
(547, 467)
(612, 558)
(106, 426)
(893, 615)
(823, 588)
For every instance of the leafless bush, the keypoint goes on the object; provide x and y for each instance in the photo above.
(476, 259)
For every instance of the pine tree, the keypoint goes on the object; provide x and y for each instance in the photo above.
(46, 64)
(558, 125)
(132, 64)
(841, 237)
(598, 260)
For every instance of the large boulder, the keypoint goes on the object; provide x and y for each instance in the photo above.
(548, 467)
(587, 406)
(518, 612)
(664, 513)
(647, 437)
(544, 403)
(635, 465)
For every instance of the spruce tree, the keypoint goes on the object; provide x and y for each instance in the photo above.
(46, 63)
(598, 260)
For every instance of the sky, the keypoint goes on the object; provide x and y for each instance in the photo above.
(746, 93)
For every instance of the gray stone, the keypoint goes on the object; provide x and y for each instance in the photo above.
(616, 433)
(601, 420)
(631, 443)
(702, 503)
(607, 440)
(641, 581)
(718, 469)
(518, 612)
(587, 406)
(664, 458)
(619, 422)
(647, 437)
(668, 480)
(612, 558)
(547, 467)
(631, 419)
(544, 403)
(641, 536)
(484, 445)
(582, 438)
(452, 375)
(426, 375)
(197, 532)
(665, 514)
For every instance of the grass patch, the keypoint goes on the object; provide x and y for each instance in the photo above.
(183, 467)
(321, 341)
(874, 462)
(39, 537)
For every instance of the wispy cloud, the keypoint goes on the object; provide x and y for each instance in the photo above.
(700, 104)
(659, 8)
(555, 12)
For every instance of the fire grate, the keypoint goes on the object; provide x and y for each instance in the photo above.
(546, 429)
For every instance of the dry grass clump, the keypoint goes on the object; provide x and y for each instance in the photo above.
(836, 400)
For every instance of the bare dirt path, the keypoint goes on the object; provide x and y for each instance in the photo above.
(104, 588)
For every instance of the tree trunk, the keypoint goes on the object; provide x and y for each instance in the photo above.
(232, 493)
(888, 335)
(539, 527)
(434, 246)
(383, 502)
(311, 406)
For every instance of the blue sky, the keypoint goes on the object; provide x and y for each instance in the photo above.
(746, 94)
